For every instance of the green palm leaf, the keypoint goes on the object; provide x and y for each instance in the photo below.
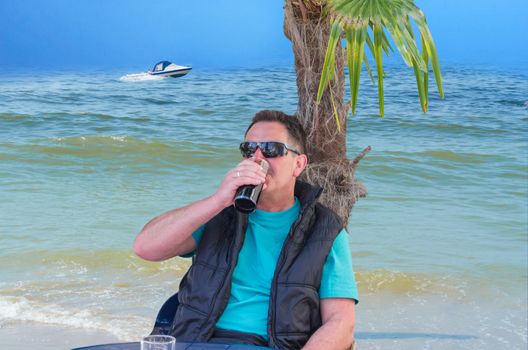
(431, 49)
(383, 17)
(426, 73)
(354, 65)
(329, 62)
(378, 32)
(420, 82)
(350, 38)
(367, 66)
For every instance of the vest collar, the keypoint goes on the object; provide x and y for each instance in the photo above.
(307, 194)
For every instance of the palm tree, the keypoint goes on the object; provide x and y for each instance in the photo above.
(316, 29)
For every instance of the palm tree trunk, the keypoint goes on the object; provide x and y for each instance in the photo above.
(308, 30)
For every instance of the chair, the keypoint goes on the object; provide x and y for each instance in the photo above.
(166, 316)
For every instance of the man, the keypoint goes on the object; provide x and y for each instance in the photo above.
(279, 277)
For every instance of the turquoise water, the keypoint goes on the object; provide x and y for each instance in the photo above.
(439, 245)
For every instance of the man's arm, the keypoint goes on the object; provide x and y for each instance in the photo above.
(337, 331)
(170, 234)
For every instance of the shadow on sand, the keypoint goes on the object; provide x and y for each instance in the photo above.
(403, 335)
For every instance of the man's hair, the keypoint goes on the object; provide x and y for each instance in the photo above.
(294, 127)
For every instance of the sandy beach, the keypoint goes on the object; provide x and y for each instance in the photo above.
(48, 337)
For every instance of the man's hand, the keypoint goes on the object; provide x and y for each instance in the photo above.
(337, 331)
(247, 172)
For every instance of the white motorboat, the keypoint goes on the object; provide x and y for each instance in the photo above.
(169, 69)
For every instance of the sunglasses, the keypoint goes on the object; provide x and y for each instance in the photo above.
(270, 149)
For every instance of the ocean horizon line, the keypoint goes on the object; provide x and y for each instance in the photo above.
(5, 69)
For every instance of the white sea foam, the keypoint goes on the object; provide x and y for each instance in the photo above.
(140, 77)
(119, 138)
(20, 309)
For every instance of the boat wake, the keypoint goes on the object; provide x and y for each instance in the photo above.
(140, 77)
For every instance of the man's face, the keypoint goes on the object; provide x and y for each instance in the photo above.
(283, 170)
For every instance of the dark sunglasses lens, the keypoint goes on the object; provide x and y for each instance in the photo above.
(268, 149)
(248, 148)
(273, 149)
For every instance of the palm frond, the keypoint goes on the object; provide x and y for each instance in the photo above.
(426, 73)
(378, 32)
(431, 48)
(336, 115)
(329, 62)
(367, 66)
(384, 18)
(355, 38)
(420, 83)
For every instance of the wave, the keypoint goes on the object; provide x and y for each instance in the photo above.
(14, 116)
(477, 130)
(77, 264)
(76, 289)
(438, 155)
(157, 101)
(26, 310)
(61, 117)
(514, 103)
(123, 145)
(441, 126)
(397, 282)
(82, 114)
(140, 77)
(79, 288)
(83, 262)
(122, 150)
(459, 157)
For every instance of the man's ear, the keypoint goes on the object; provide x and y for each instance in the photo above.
(300, 164)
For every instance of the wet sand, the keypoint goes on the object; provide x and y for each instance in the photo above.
(49, 337)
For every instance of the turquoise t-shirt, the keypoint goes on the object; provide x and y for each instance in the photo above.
(247, 308)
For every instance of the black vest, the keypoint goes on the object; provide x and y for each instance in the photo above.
(293, 314)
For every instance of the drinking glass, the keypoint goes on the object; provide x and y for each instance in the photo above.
(158, 342)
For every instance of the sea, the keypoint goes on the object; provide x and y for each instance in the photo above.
(439, 245)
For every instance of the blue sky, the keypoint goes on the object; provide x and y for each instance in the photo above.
(55, 34)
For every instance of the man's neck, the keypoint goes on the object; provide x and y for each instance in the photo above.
(279, 202)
